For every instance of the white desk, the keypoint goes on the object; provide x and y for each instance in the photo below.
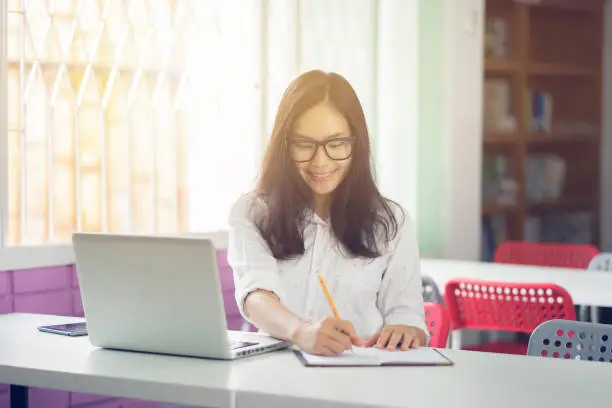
(585, 287)
(477, 380)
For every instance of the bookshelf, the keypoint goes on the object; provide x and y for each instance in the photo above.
(542, 121)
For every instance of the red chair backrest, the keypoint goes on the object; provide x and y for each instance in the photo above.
(517, 307)
(575, 256)
(438, 324)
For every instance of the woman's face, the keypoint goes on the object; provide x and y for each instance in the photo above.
(321, 146)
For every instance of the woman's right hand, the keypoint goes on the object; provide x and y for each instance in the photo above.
(329, 336)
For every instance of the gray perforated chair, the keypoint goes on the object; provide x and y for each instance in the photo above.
(601, 262)
(571, 339)
(431, 293)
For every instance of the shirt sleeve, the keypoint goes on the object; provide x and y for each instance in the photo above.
(401, 298)
(249, 256)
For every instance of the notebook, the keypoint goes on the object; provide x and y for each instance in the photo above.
(373, 357)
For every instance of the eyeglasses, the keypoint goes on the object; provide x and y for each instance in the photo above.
(338, 148)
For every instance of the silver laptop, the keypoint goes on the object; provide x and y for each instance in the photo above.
(158, 295)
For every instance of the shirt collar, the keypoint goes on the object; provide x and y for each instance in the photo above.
(312, 217)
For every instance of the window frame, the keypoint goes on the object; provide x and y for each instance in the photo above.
(3, 127)
(38, 256)
(23, 256)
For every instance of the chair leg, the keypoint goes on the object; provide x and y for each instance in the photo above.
(18, 396)
(449, 340)
(595, 314)
(456, 339)
(583, 313)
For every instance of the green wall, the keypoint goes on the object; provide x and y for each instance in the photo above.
(430, 129)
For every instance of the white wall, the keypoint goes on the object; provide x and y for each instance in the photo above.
(462, 115)
(461, 145)
(395, 137)
(606, 151)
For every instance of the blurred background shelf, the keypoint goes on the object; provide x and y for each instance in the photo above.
(542, 121)
(492, 208)
(561, 69)
(500, 66)
(561, 204)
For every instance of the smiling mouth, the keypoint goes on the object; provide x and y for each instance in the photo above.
(321, 176)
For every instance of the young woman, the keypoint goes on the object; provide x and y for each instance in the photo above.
(316, 210)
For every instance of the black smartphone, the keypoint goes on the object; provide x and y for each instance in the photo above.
(70, 329)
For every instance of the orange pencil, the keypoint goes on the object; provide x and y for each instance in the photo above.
(328, 296)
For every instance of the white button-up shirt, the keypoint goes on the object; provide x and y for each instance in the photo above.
(370, 293)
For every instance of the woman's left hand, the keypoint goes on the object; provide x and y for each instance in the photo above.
(399, 336)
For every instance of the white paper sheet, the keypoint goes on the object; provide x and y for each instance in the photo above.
(360, 356)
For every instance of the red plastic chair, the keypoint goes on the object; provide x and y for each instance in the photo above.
(575, 256)
(438, 324)
(516, 307)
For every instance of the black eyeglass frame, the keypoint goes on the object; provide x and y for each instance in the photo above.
(323, 144)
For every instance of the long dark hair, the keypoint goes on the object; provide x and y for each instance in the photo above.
(360, 216)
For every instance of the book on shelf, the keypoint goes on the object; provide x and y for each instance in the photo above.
(539, 111)
(497, 113)
(494, 232)
(496, 38)
(533, 227)
(544, 177)
(498, 184)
